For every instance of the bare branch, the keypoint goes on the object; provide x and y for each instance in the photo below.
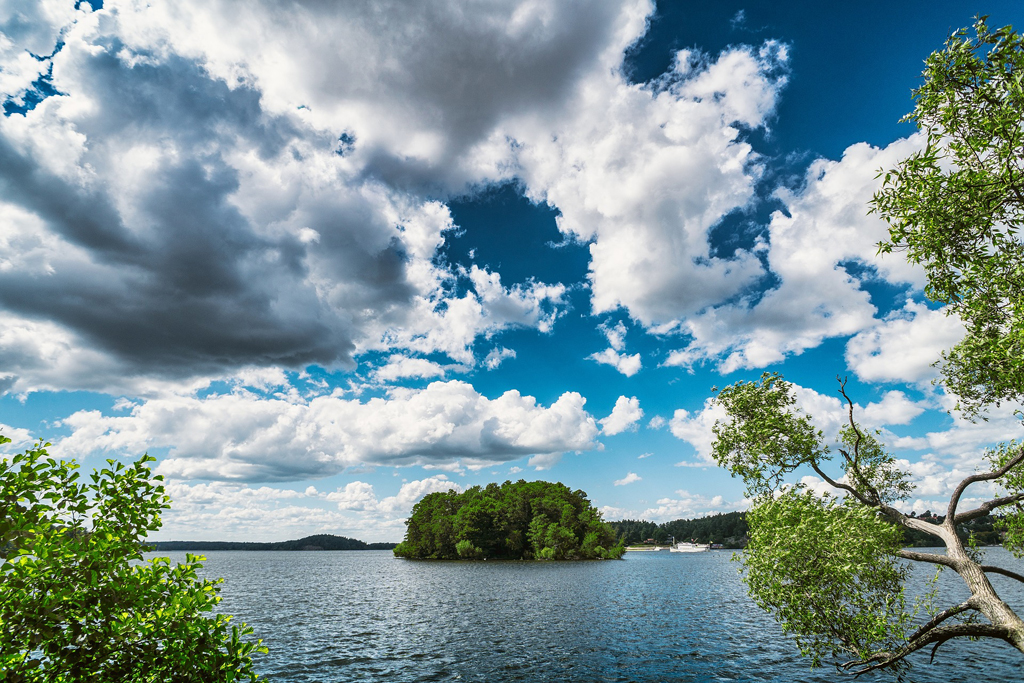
(937, 635)
(845, 487)
(927, 557)
(941, 617)
(856, 446)
(999, 570)
(986, 508)
(974, 478)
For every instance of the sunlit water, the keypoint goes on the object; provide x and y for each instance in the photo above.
(652, 617)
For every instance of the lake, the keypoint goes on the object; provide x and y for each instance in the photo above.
(335, 617)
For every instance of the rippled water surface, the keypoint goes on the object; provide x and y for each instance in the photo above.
(652, 617)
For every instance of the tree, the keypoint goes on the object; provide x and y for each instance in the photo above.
(521, 520)
(832, 569)
(77, 601)
(957, 207)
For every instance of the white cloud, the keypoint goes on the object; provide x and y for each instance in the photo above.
(644, 455)
(894, 409)
(826, 227)
(243, 436)
(627, 365)
(695, 429)
(401, 367)
(544, 461)
(903, 347)
(657, 422)
(626, 413)
(827, 413)
(497, 356)
(628, 479)
(20, 438)
(690, 505)
(612, 164)
(360, 496)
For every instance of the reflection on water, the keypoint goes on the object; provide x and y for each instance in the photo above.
(653, 617)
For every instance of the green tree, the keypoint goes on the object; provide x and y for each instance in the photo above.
(521, 520)
(957, 207)
(77, 601)
(832, 569)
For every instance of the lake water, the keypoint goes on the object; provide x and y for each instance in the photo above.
(335, 617)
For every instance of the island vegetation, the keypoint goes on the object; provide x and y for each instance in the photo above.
(833, 569)
(315, 542)
(535, 520)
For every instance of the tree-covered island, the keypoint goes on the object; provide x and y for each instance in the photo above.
(534, 520)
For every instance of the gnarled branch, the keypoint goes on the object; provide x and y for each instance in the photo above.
(954, 500)
(986, 508)
(927, 557)
(992, 569)
(937, 635)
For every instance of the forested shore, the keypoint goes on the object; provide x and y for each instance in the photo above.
(315, 542)
(730, 530)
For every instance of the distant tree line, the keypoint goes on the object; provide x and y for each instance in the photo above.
(316, 542)
(729, 529)
(535, 520)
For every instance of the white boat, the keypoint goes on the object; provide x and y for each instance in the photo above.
(690, 547)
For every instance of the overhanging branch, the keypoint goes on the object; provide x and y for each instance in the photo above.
(954, 500)
(992, 569)
(986, 508)
(937, 636)
(926, 557)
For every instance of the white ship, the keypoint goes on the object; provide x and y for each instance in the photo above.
(686, 547)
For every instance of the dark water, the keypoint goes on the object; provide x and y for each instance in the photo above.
(653, 617)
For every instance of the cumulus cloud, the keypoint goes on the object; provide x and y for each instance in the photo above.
(625, 415)
(244, 436)
(827, 413)
(400, 367)
(497, 356)
(628, 479)
(229, 511)
(690, 505)
(904, 346)
(627, 365)
(272, 207)
(613, 161)
(822, 249)
(360, 496)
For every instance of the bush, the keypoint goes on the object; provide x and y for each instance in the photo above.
(77, 601)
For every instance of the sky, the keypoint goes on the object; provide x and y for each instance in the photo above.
(322, 259)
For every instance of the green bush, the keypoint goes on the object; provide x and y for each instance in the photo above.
(77, 601)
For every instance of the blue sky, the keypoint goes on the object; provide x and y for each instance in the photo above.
(322, 260)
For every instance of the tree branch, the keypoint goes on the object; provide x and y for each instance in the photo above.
(999, 570)
(951, 516)
(856, 447)
(986, 508)
(845, 487)
(937, 635)
(927, 557)
(941, 617)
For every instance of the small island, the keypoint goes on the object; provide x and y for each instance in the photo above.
(535, 520)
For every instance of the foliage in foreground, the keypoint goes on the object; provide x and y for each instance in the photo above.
(514, 521)
(77, 601)
(829, 569)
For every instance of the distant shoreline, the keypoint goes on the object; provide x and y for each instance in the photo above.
(317, 542)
